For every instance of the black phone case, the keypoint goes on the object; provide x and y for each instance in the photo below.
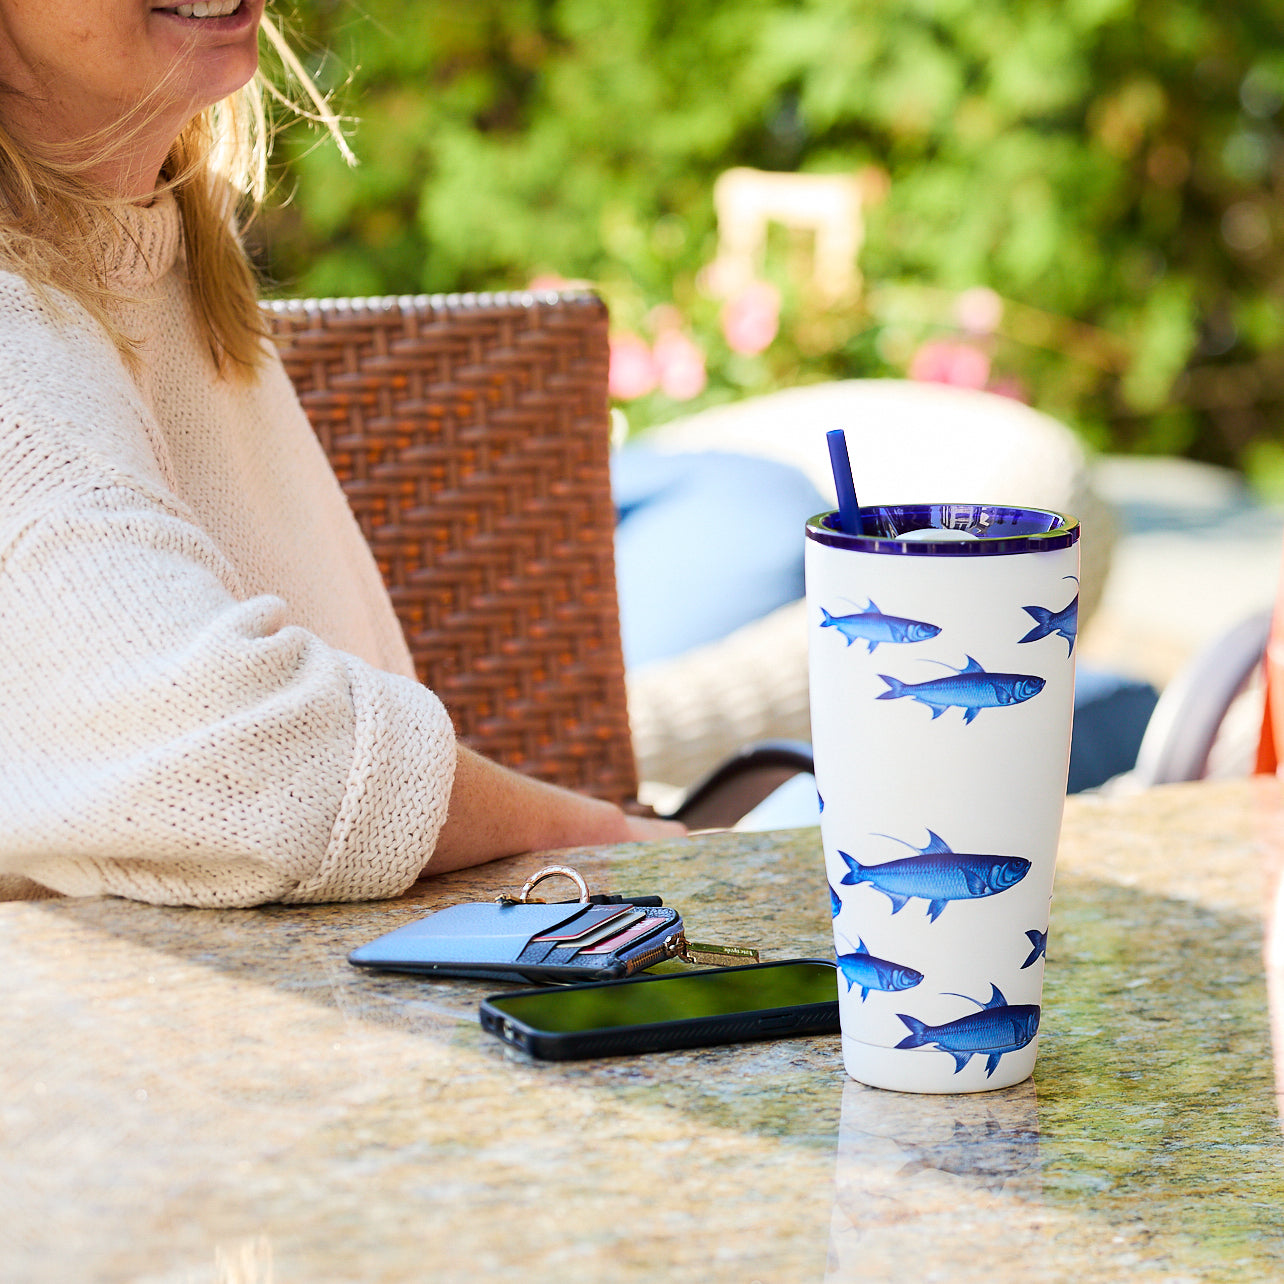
(494, 941)
(699, 1032)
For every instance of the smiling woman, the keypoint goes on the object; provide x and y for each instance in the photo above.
(78, 70)
(104, 99)
(205, 696)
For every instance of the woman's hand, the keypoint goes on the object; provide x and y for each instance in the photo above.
(645, 829)
(495, 812)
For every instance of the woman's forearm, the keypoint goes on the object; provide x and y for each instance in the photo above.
(495, 812)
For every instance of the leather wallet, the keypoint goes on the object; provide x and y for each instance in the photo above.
(516, 941)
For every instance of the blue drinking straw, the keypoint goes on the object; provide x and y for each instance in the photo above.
(848, 509)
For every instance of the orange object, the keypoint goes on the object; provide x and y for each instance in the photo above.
(1272, 737)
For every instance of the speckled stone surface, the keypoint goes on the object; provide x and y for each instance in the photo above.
(190, 1096)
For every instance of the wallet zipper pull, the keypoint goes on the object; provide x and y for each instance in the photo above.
(703, 954)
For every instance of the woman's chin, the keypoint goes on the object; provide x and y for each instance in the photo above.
(213, 57)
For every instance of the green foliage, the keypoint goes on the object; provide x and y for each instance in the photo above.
(1111, 168)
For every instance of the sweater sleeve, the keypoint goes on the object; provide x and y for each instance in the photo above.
(167, 734)
(163, 740)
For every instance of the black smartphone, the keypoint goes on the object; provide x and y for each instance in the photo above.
(675, 1010)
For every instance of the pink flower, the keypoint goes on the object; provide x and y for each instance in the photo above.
(633, 370)
(979, 310)
(949, 361)
(1009, 386)
(549, 281)
(680, 365)
(751, 319)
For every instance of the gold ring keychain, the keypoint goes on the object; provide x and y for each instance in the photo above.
(552, 871)
(674, 946)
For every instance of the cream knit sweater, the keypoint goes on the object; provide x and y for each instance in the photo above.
(205, 696)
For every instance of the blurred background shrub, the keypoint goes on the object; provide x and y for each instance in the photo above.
(1078, 202)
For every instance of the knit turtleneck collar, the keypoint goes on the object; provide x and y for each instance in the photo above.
(148, 243)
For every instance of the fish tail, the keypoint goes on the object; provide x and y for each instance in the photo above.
(828, 621)
(918, 1032)
(1042, 617)
(895, 687)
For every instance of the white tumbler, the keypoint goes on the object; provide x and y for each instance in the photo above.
(942, 690)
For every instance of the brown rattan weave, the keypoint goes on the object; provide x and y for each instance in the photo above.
(471, 436)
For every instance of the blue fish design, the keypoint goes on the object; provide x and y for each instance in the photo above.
(864, 972)
(971, 688)
(835, 902)
(997, 1028)
(1047, 622)
(871, 626)
(1038, 947)
(937, 875)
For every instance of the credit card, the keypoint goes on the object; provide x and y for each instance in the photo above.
(583, 924)
(610, 929)
(631, 933)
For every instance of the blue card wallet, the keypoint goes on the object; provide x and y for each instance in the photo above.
(529, 942)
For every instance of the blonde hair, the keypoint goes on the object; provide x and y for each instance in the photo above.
(54, 220)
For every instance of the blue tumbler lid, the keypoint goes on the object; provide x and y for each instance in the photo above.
(974, 530)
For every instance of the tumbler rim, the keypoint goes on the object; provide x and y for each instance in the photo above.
(1003, 529)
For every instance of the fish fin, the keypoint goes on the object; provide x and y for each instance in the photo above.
(861, 947)
(960, 1058)
(898, 901)
(975, 882)
(894, 839)
(934, 909)
(1039, 614)
(992, 1063)
(935, 844)
(871, 646)
(871, 608)
(918, 1032)
(996, 999)
(970, 667)
(895, 688)
(864, 993)
(828, 621)
(937, 709)
(969, 712)
(1039, 631)
(1032, 958)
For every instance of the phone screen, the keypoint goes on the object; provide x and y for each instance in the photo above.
(680, 996)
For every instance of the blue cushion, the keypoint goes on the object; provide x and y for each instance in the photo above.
(705, 542)
(1110, 716)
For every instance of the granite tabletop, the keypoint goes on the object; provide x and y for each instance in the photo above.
(190, 1095)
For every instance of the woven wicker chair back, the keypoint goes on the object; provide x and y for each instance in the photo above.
(471, 435)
